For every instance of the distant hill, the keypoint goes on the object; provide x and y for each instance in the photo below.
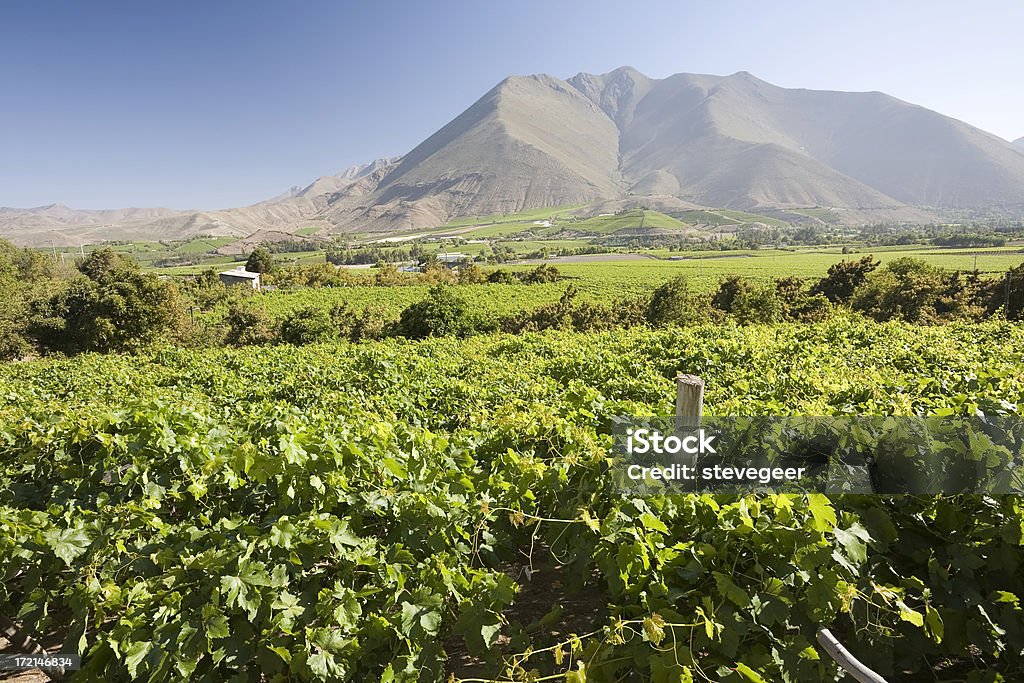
(297, 208)
(1019, 142)
(688, 140)
(333, 183)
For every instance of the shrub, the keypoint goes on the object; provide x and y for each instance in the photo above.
(844, 278)
(798, 304)
(674, 304)
(910, 290)
(13, 343)
(308, 325)
(757, 304)
(632, 311)
(748, 302)
(436, 273)
(441, 313)
(1005, 294)
(541, 274)
(15, 282)
(730, 289)
(502, 277)
(569, 313)
(470, 274)
(372, 322)
(113, 308)
(249, 325)
(387, 275)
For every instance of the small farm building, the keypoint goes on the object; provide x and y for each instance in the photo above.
(241, 276)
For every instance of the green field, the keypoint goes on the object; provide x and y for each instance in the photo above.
(627, 220)
(610, 281)
(365, 512)
(500, 230)
(147, 253)
(522, 216)
(309, 509)
(823, 214)
(745, 217)
(727, 217)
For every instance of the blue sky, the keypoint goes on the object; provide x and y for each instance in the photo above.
(211, 103)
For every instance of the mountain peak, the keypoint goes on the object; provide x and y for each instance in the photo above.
(333, 183)
(617, 92)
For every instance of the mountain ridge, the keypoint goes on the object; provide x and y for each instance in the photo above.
(726, 141)
(533, 141)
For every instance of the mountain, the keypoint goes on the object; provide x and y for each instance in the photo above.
(530, 142)
(623, 138)
(1019, 142)
(722, 141)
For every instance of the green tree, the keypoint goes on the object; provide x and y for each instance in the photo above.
(441, 313)
(799, 305)
(758, 304)
(249, 325)
(470, 274)
(24, 275)
(372, 322)
(387, 275)
(1007, 293)
(115, 307)
(731, 289)
(843, 279)
(748, 302)
(674, 304)
(260, 261)
(502, 277)
(308, 325)
(572, 313)
(911, 290)
(106, 265)
(542, 274)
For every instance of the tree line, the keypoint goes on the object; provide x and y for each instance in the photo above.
(107, 304)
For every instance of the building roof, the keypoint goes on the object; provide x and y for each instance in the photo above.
(248, 275)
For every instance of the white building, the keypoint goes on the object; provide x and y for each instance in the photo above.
(241, 276)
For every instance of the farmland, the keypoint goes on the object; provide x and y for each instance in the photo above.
(608, 281)
(364, 512)
(236, 500)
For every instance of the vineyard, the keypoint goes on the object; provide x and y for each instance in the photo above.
(609, 281)
(376, 512)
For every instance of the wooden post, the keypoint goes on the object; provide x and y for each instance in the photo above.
(689, 401)
(689, 410)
